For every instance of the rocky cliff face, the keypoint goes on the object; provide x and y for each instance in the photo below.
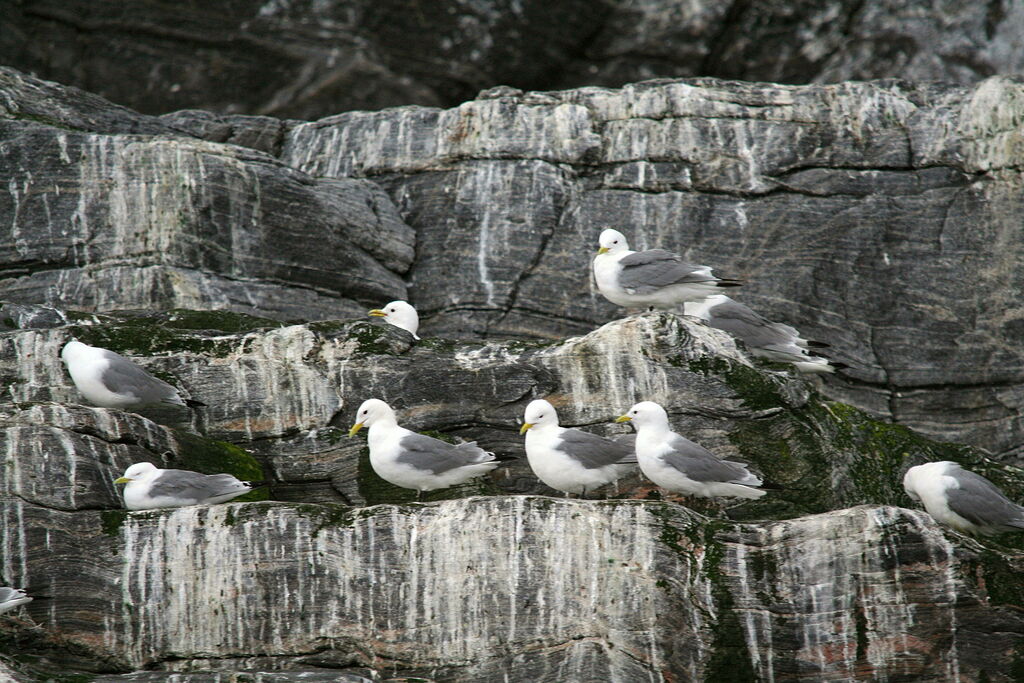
(349, 577)
(879, 217)
(303, 59)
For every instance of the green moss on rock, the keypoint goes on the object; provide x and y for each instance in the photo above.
(213, 457)
(111, 521)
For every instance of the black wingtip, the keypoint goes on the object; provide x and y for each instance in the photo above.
(728, 283)
(258, 484)
(771, 486)
(192, 403)
(818, 345)
(506, 458)
(837, 365)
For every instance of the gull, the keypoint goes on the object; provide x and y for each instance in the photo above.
(774, 341)
(655, 278)
(961, 499)
(417, 461)
(675, 463)
(110, 380)
(401, 314)
(10, 598)
(149, 487)
(571, 460)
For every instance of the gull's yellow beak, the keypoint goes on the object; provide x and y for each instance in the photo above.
(526, 426)
(122, 480)
(355, 429)
(602, 250)
(378, 313)
(623, 418)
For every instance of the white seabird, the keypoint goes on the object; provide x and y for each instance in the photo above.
(571, 460)
(110, 380)
(675, 463)
(961, 499)
(417, 461)
(11, 598)
(401, 314)
(774, 341)
(149, 487)
(658, 278)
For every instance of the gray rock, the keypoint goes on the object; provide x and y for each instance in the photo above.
(476, 588)
(121, 221)
(305, 59)
(853, 212)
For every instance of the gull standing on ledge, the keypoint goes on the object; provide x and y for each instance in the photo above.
(417, 461)
(400, 314)
(675, 463)
(10, 598)
(655, 278)
(110, 380)
(149, 487)
(571, 460)
(959, 498)
(774, 341)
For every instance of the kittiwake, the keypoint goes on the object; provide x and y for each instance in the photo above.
(417, 461)
(110, 380)
(774, 341)
(959, 498)
(675, 463)
(401, 314)
(571, 460)
(10, 598)
(656, 278)
(150, 487)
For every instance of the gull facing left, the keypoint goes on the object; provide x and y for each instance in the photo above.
(11, 598)
(675, 463)
(571, 460)
(149, 487)
(401, 314)
(417, 461)
(655, 278)
(961, 499)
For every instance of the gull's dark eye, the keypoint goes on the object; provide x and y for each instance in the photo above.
(392, 310)
(615, 241)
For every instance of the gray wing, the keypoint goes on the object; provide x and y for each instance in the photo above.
(427, 453)
(700, 464)
(752, 328)
(644, 272)
(125, 377)
(593, 451)
(187, 485)
(7, 594)
(980, 502)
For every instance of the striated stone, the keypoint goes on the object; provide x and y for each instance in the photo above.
(305, 59)
(574, 590)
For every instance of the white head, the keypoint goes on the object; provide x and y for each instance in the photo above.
(612, 241)
(140, 471)
(72, 350)
(645, 413)
(400, 314)
(371, 411)
(917, 477)
(539, 413)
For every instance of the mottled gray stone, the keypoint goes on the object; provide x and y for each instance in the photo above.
(880, 217)
(306, 59)
(108, 221)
